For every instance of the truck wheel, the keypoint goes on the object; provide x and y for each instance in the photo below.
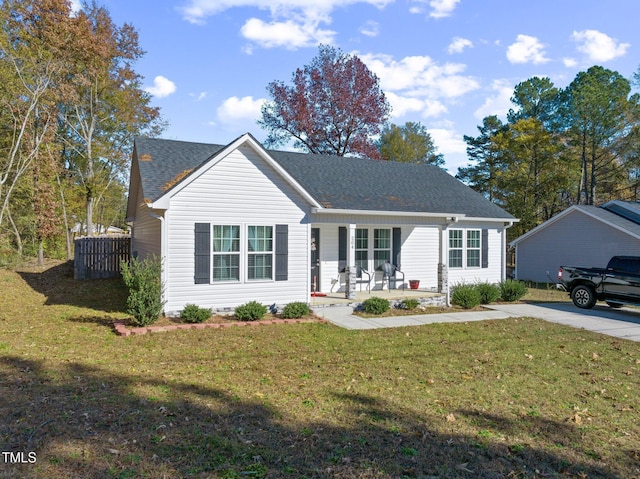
(583, 297)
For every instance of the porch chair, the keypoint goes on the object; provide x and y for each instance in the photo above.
(389, 273)
(360, 278)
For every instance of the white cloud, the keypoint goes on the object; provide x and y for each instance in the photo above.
(419, 84)
(497, 104)
(199, 96)
(236, 110)
(288, 34)
(598, 46)
(442, 8)
(403, 105)
(162, 87)
(370, 29)
(420, 76)
(458, 44)
(569, 62)
(448, 141)
(293, 23)
(526, 49)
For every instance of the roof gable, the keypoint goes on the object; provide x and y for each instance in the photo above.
(598, 213)
(328, 182)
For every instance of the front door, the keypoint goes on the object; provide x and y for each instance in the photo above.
(315, 259)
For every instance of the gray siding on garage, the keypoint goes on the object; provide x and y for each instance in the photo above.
(577, 239)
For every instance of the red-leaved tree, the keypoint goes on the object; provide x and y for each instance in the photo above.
(335, 106)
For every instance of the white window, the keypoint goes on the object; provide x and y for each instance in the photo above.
(381, 247)
(455, 248)
(465, 248)
(362, 248)
(473, 248)
(226, 253)
(259, 252)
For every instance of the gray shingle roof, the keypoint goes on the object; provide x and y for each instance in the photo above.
(335, 182)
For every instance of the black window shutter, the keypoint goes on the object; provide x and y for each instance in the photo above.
(342, 249)
(202, 253)
(396, 243)
(485, 248)
(282, 252)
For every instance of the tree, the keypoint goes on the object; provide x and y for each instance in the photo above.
(483, 175)
(535, 98)
(107, 107)
(596, 110)
(532, 177)
(410, 143)
(335, 106)
(30, 66)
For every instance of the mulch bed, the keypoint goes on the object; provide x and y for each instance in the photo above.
(122, 329)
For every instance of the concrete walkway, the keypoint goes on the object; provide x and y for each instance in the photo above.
(621, 323)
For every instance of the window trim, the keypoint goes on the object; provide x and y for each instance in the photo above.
(460, 248)
(265, 253)
(469, 248)
(363, 263)
(376, 248)
(464, 248)
(244, 253)
(237, 253)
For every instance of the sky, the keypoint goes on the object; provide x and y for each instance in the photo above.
(444, 63)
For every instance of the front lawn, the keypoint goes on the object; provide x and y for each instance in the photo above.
(506, 398)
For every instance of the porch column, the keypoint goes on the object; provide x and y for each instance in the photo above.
(350, 272)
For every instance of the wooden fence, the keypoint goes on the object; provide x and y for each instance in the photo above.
(100, 256)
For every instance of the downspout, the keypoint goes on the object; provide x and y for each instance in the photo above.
(503, 274)
(163, 255)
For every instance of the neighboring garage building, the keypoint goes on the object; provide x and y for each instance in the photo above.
(579, 236)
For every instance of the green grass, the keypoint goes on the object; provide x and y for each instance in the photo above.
(507, 398)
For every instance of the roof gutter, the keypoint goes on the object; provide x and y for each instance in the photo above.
(450, 217)
(340, 211)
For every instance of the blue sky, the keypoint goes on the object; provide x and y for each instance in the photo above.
(444, 63)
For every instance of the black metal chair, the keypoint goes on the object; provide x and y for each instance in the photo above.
(389, 273)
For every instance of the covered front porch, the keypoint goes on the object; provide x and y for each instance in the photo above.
(426, 297)
(413, 250)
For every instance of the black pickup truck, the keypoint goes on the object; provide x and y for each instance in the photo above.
(617, 284)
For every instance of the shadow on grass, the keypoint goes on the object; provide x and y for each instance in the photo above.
(86, 422)
(59, 287)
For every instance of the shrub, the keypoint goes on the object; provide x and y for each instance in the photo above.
(489, 293)
(195, 314)
(376, 305)
(410, 303)
(144, 282)
(295, 310)
(465, 295)
(251, 311)
(512, 290)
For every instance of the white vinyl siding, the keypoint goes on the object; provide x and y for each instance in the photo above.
(494, 273)
(240, 189)
(146, 231)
